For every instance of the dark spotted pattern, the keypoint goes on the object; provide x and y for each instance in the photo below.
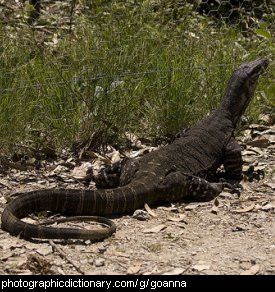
(233, 161)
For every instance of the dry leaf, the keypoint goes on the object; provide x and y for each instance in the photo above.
(270, 185)
(30, 220)
(169, 209)
(267, 119)
(3, 200)
(155, 229)
(216, 202)
(257, 151)
(81, 172)
(131, 137)
(38, 264)
(252, 271)
(6, 255)
(91, 154)
(181, 218)
(246, 168)
(201, 267)
(268, 206)
(226, 195)
(58, 170)
(258, 127)
(260, 142)
(191, 207)
(149, 210)
(44, 250)
(181, 225)
(6, 184)
(214, 210)
(119, 254)
(133, 270)
(115, 157)
(176, 271)
(153, 271)
(245, 209)
(60, 271)
(135, 154)
(18, 166)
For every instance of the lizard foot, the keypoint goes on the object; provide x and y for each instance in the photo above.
(232, 188)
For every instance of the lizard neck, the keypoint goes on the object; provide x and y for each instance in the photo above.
(236, 99)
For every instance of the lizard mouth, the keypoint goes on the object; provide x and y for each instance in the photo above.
(259, 66)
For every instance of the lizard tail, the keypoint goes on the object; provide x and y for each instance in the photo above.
(72, 202)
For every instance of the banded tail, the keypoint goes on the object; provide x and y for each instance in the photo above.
(71, 202)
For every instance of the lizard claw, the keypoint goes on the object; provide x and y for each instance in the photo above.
(233, 188)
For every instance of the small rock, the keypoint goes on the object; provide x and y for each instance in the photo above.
(141, 215)
(99, 262)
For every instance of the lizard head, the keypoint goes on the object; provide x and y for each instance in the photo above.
(241, 87)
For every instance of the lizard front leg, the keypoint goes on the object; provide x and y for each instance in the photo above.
(117, 174)
(109, 177)
(177, 185)
(233, 161)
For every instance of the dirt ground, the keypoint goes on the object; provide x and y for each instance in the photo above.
(229, 235)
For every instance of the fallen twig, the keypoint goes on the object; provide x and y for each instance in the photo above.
(63, 255)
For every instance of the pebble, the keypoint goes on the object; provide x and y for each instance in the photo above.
(141, 215)
(99, 262)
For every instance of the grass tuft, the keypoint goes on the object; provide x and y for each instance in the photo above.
(122, 70)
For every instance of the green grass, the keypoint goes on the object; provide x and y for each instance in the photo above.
(170, 73)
